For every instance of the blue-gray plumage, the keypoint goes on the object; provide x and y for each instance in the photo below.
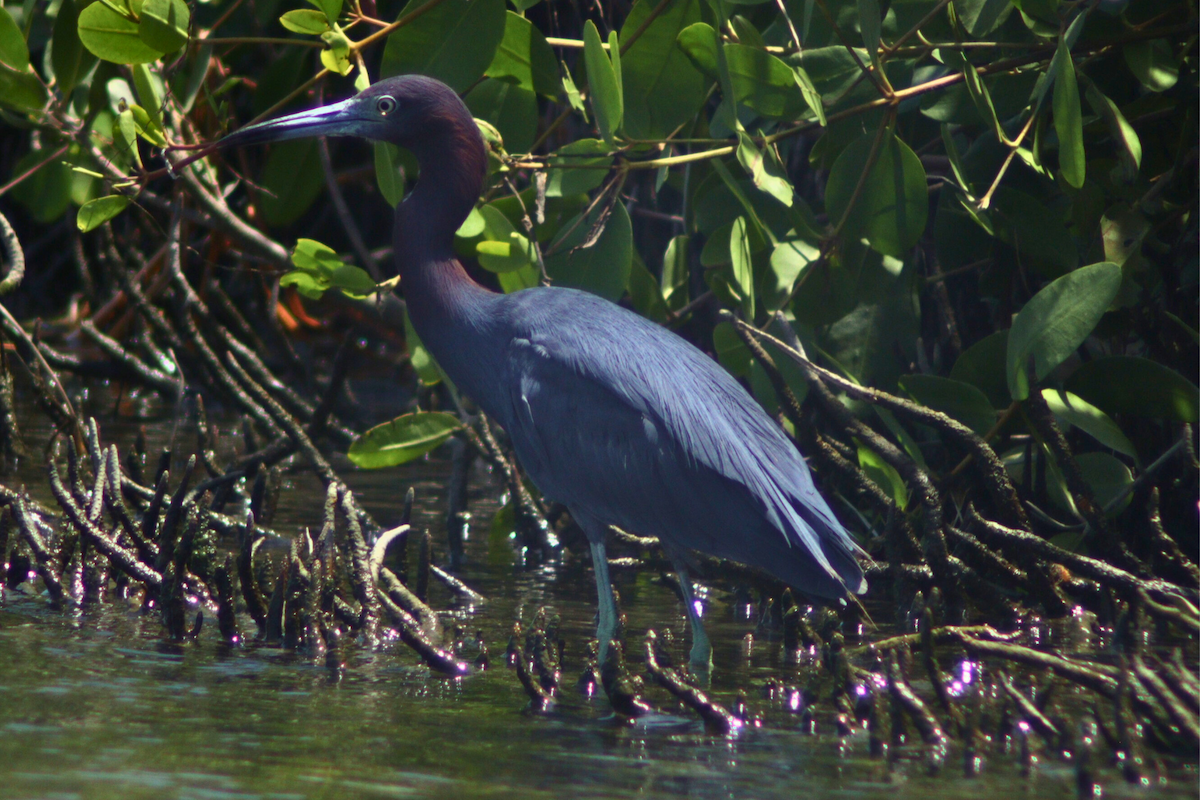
(621, 420)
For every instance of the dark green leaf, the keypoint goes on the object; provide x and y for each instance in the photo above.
(1039, 233)
(164, 24)
(293, 178)
(99, 211)
(662, 89)
(403, 439)
(1130, 146)
(330, 8)
(732, 352)
(982, 366)
(1136, 386)
(353, 281)
(422, 362)
(603, 84)
(1056, 321)
(511, 108)
(66, 52)
(591, 161)
(602, 268)
(113, 37)
(1108, 479)
(869, 22)
(958, 400)
(1153, 63)
(980, 17)
(1068, 120)
(388, 176)
(644, 291)
(525, 58)
(453, 42)
(892, 208)
(14, 53)
(21, 91)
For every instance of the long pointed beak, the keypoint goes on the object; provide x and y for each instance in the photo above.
(333, 120)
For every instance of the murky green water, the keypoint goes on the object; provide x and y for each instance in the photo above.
(95, 704)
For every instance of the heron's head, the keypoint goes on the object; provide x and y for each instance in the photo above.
(403, 110)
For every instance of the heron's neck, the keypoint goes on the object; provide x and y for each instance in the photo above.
(451, 313)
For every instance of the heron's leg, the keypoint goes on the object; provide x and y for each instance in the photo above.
(606, 629)
(701, 656)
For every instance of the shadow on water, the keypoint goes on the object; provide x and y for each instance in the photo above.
(97, 704)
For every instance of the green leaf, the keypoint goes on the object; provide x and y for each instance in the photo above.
(789, 259)
(892, 207)
(14, 53)
(66, 52)
(95, 213)
(603, 83)
(330, 8)
(732, 352)
(125, 138)
(316, 258)
(150, 96)
(869, 21)
(1039, 233)
(1055, 322)
(743, 266)
(675, 273)
(1136, 386)
(403, 439)
(1130, 150)
(337, 57)
(958, 400)
(353, 282)
(1068, 120)
(578, 167)
(453, 42)
(662, 89)
(883, 475)
(601, 268)
(21, 91)
(307, 284)
(305, 20)
(164, 24)
(1107, 477)
(980, 17)
(388, 176)
(1153, 63)
(762, 82)
(811, 96)
(1076, 411)
(982, 366)
(113, 37)
(511, 108)
(644, 291)
(422, 362)
(766, 172)
(293, 178)
(525, 58)
(502, 248)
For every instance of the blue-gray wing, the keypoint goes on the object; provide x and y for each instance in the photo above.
(629, 424)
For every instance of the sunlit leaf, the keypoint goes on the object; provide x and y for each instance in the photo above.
(603, 84)
(1153, 63)
(114, 37)
(422, 362)
(883, 475)
(1055, 322)
(1076, 411)
(578, 167)
(764, 169)
(743, 267)
(96, 212)
(164, 24)
(330, 8)
(503, 248)
(403, 439)
(305, 20)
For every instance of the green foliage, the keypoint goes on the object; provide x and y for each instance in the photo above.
(912, 193)
(403, 439)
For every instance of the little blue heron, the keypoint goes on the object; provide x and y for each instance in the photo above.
(621, 420)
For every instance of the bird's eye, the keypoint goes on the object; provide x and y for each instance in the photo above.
(385, 105)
